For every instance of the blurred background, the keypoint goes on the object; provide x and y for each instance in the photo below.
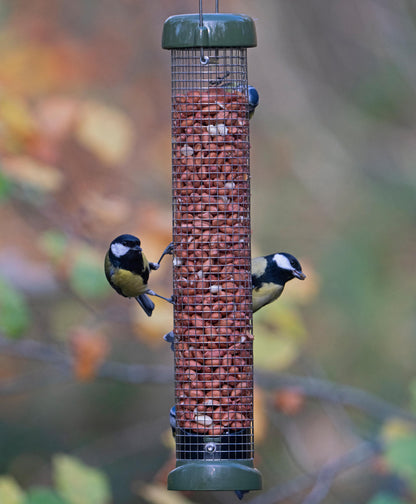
(86, 379)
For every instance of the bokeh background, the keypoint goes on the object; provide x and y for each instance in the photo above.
(85, 378)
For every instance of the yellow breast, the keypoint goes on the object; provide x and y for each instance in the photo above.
(130, 285)
(268, 293)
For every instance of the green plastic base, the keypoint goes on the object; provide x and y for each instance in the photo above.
(214, 475)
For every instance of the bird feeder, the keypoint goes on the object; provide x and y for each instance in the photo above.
(212, 256)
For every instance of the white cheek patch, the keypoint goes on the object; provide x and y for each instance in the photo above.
(282, 261)
(119, 249)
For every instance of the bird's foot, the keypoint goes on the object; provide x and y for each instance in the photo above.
(153, 293)
(168, 251)
(170, 338)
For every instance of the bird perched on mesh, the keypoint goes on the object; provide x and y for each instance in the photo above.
(127, 270)
(269, 274)
(253, 100)
(252, 93)
(172, 420)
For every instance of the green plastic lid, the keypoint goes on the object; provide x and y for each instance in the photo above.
(218, 30)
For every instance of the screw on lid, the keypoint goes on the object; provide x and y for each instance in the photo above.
(218, 30)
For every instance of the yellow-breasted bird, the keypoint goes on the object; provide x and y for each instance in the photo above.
(269, 276)
(127, 270)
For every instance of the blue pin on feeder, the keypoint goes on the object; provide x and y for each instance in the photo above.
(212, 252)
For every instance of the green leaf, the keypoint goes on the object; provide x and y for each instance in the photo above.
(401, 457)
(384, 93)
(54, 243)
(87, 275)
(412, 388)
(14, 313)
(278, 336)
(5, 187)
(44, 496)
(10, 492)
(385, 498)
(78, 483)
(273, 351)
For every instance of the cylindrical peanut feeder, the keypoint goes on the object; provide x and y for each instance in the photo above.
(212, 256)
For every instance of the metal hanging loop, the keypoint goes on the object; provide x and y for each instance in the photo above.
(204, 60)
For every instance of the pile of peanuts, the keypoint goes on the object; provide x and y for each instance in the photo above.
(212, 263)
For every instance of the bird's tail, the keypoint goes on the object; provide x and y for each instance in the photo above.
(146, 303)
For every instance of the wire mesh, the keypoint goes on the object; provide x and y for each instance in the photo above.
(212, 263)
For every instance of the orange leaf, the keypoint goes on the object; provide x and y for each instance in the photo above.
(89, 349)
(16, 121)
(290, 401)
(260, 415)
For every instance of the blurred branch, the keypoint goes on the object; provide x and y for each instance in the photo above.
(328, 473)
(25, 383)
(124, 443)
(334, 393)
(143, 373)
(323, 478)
(47, 353)
(136, 373)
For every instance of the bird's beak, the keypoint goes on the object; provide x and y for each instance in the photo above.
(299, 274)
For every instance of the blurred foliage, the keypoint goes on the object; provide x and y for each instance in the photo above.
(14, 312)
(85, 155)
(79, 484)
(76, 483)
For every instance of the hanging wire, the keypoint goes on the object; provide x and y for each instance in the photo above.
(200, 14)
(204, 60)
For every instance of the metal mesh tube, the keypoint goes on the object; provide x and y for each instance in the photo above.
(212, 264)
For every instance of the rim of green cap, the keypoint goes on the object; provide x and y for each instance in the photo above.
(218, 30)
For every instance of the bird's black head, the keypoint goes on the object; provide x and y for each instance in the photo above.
(289, 267)
(124, 245)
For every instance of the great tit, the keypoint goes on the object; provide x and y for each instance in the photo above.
(269, 275)
(127, 270)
